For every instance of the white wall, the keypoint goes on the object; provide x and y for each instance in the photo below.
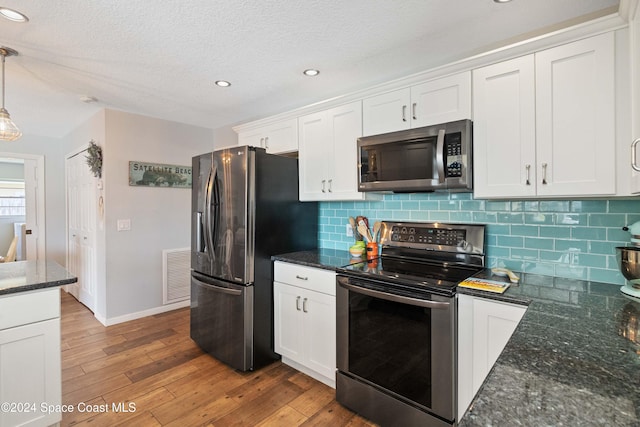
(225, 137)
(160, 217)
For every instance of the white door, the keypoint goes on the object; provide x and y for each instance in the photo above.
(504, 129)
(442, 100)
(81, 228)
(388, 112)
(345, 127)
(34, 204)
(575, 118)
(314, 154)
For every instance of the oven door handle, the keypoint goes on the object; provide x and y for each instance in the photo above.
(344, 282)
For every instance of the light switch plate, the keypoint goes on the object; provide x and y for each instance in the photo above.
(124, 224)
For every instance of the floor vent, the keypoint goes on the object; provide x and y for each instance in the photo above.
(176, 273)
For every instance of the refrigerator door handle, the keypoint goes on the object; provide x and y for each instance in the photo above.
(198, 231)
(215, 288)
(208, 234)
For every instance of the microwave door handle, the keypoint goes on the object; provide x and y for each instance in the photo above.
(440, 156)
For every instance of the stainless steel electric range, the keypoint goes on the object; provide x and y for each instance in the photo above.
(396, 323)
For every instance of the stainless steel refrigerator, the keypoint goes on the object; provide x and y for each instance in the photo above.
(245, 209)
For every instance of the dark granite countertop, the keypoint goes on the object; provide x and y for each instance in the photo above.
(22, 276)
(328, 259)
(574, 359)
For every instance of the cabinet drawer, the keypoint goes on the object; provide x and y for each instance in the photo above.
(29, 307)
(314, 279)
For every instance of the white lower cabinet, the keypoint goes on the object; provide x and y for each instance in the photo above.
(484, 328)
(305, 319)
(30, 367)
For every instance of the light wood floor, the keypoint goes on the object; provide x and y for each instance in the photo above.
(153, 365)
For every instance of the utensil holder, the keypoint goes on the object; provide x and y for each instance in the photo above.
(372, 250)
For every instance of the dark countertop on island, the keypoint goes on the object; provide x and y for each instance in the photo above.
(22, 276)
(573, 360)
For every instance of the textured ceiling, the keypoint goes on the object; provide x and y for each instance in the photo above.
(160, 58)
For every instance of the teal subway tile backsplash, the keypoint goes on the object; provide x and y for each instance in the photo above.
(572, 239)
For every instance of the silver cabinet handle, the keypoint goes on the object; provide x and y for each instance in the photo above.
(413, 112)
(304, 305)
(262, 142)
(323, 183)
(301, 277)
(330, 186)
(266, 142)
(544, 174)
(634, 165)
(404, 113)
(528, 168)
(298, 303)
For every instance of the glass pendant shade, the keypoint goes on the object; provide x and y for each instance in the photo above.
(8, 130)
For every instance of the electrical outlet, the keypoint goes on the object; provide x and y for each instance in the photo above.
(349, 231)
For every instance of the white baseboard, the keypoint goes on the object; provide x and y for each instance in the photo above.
(331, 382)
(140, 314)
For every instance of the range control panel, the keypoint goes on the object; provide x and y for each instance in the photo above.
(434, 236)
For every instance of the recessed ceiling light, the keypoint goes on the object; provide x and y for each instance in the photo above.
(311, 72)
(502, 1)
(223, 83)
(13, 15)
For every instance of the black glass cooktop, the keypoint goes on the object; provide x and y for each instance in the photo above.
(425, 275)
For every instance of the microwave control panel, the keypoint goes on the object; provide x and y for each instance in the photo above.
(453, 155)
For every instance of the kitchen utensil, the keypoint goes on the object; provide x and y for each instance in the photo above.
(376, 230)
(352, 222)
(362, 229)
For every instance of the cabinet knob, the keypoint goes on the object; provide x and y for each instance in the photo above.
(330, 186)
(301, 277)
(528, 168)
(304, 305)
(323, 183)
(404, 113)
(544, 174)
(413, 111)
(298, 303)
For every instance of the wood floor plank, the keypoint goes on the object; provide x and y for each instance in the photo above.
(153, 363)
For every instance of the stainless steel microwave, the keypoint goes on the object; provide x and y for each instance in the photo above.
(431, 158)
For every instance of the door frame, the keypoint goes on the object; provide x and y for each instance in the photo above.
(40, 196)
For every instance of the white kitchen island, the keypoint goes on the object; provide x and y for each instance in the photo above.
(30, 369)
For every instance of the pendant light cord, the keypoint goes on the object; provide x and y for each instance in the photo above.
(3, 58)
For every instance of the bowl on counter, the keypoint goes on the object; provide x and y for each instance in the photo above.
(356, 251)
(628, 258)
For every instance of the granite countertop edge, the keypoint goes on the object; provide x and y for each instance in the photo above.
(24, 276)
(565, 364)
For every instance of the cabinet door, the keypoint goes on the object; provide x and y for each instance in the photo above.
(253, 138)
(388, 112)
(443, 100)
(282, 137)
(314, 152)
(287, 311)
(493, 325)
(634, 32)
(504, 140)
(319, 314)
(345, 127)
(575, 127)
(30, 372)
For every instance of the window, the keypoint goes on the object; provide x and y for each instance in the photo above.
(12, 198)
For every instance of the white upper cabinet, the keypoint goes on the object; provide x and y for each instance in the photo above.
(328, 153)
(276, 138)
(634, 47)
(504, 129)
(436, 101)
(558, 142)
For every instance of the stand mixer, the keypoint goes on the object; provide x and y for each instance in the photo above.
(628, 258)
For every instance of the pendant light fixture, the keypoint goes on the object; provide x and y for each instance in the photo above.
(8, 130)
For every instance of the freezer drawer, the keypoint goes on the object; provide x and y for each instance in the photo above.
(222, 320)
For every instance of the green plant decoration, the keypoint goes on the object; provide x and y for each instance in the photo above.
(94, 159)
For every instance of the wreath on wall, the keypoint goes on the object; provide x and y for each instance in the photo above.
(94, 159)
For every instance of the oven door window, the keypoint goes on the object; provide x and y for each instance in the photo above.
(390, 345)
